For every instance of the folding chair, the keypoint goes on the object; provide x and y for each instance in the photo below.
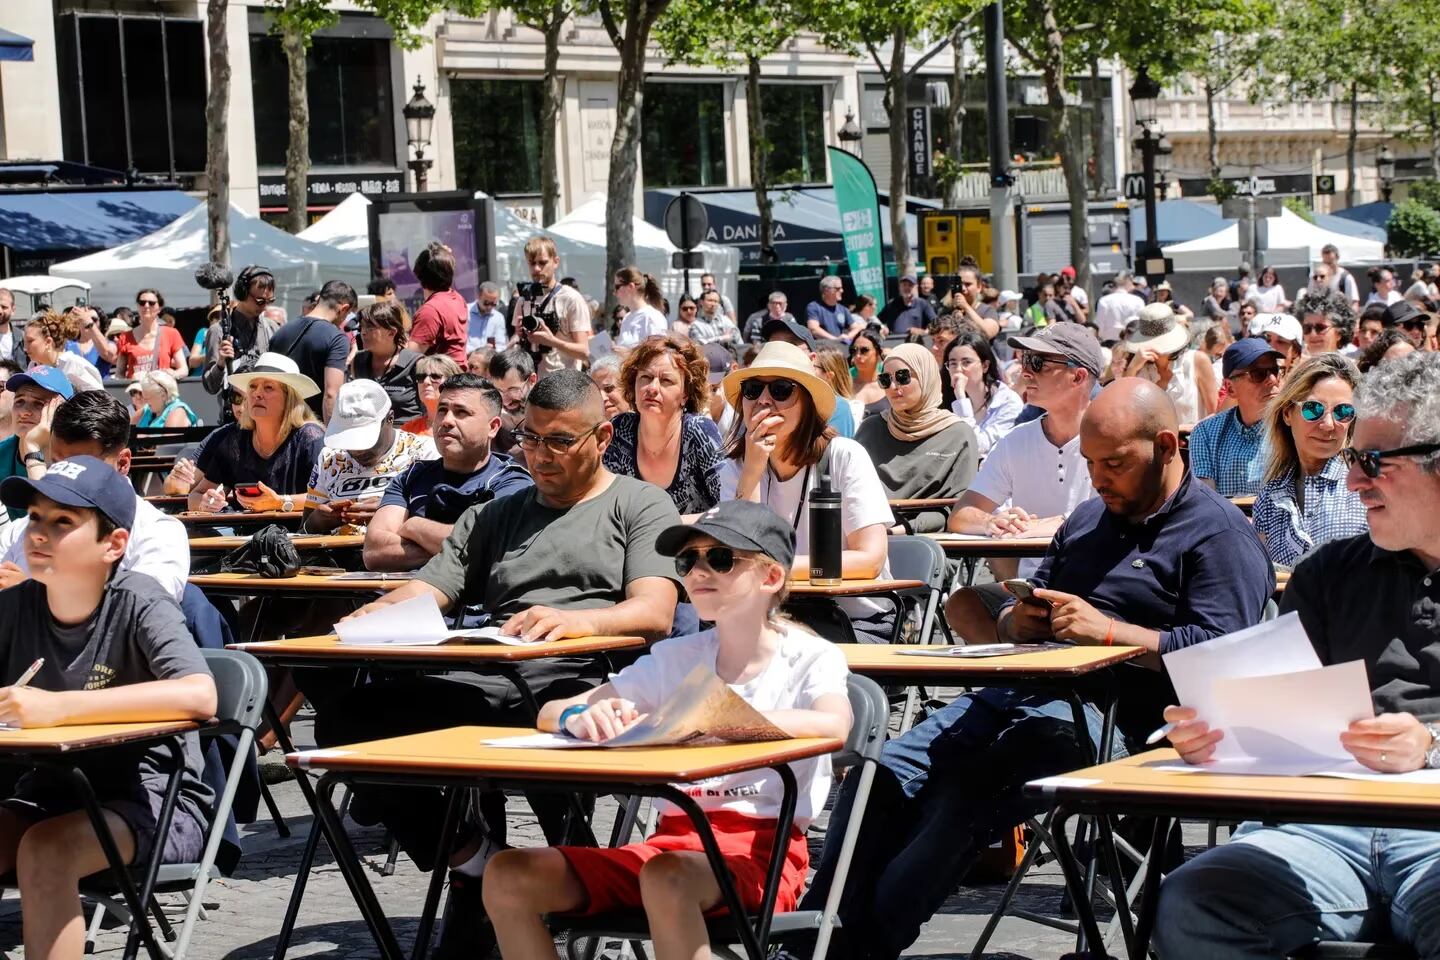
(240, 684)
(871, 711)
(920, 558)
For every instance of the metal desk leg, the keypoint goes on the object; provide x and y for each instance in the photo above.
(1084, 912)
(312, 840)
(1105, 837)
(437, 875)
(577, 829)
(152, 869)
(1150, 893)
(354, 874)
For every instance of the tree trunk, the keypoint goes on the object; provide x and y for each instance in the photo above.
(1097, 131)
(217, 143)
(552, 92)
(897, 105)
(625, 146)
(1212, 130)
(956, 116)
(297, 154)
(1434, 124)
(1350, 142)
(1063, 136)
(759, 158)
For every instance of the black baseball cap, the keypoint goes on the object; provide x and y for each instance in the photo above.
(77, 482)
(739, 525)
(799, 330)
(1401, 311)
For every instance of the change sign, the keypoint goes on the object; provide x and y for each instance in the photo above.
(859, 206)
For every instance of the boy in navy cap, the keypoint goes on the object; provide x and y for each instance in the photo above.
(114, 648)
(38, 392)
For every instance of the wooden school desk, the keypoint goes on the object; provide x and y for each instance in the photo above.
(854, 588)
(1134, 786)
(63, 749)
(457, 760)
(905, 509)
(290, 519)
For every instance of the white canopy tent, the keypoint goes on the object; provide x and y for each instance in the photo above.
(346, 227)
(653, 249)
(167, 258)
(1292, 242)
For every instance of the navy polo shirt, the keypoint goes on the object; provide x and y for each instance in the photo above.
(835, 320)
(427, 489)
(1194, 570)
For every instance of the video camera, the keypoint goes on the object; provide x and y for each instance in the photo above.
(536, 308)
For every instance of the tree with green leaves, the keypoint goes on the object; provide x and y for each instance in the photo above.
(1415, 53)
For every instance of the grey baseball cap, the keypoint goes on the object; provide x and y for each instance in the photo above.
(1068, 341)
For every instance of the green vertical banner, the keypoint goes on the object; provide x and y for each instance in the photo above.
(859, 206)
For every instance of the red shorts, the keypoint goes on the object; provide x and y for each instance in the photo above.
(611, 875)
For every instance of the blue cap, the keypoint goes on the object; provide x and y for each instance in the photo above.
(46, 378)
(77, 482)
(1242, 354)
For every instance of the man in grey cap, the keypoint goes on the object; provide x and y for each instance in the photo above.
(1061, 366)
(908, 314)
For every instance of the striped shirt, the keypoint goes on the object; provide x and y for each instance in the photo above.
(1331, 512)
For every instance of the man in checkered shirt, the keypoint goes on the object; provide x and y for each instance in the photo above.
(1227, 449)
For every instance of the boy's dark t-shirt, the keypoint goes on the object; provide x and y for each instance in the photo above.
(427, 489)
(137, 634)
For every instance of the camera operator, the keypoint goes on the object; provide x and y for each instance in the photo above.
(236, 340)
(550, 320)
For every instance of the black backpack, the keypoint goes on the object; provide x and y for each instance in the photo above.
(270, 553)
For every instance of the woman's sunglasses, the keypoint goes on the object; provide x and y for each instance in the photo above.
(1314, 410)
(780, 389)
(147, 303)
(1370, 461)
(1313, 328)
(422, 377)
(718, 559)
(901, 378)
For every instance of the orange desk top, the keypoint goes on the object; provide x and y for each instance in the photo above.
(885, 660)
(329, 649)
(88, 736)
(852, 588)
(964, 545)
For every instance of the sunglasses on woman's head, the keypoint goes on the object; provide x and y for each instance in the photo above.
(719, 559)
(1370, 461)
(1314, 410)
(780, 389)
(901, 378)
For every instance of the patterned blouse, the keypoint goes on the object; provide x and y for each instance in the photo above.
(1331, 512)
(696, 485)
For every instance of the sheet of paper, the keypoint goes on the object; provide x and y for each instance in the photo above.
(367, 575)
(1291, 722)
(413, 622)
(540, 741)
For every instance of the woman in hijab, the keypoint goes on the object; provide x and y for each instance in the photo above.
(920, 451)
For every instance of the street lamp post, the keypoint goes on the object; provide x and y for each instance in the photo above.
(1385, 167)
(1144, 97)
(419, 116)
(850, 134)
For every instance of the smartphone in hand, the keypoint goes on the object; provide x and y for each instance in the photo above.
(1024, 591)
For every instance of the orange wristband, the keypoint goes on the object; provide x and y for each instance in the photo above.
(1110, 634)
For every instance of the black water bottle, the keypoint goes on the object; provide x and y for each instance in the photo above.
(827, 538)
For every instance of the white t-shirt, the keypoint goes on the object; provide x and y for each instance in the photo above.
(1394, 296)
(80, 372)
(639, 324)
(1024, 469)
(159, 548)
(337, 475)
(1267, 299)
(863, 503)
(1114, 310)
(803, 669)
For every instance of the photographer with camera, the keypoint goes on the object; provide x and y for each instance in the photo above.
(551, 320)
(241, 333)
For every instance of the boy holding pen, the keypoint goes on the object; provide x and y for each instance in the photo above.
(115, 650)
(734, 560)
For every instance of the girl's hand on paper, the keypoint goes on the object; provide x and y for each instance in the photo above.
(1389, 743)
(1192, 737)
(605, 719)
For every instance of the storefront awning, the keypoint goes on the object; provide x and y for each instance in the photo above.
(91, 220)
(15, 47)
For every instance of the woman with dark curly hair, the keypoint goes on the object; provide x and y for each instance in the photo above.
(45, 337)
(666, 439)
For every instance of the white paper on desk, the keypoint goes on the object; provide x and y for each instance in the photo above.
(414, 623)
(543, 741)
(1292, 722)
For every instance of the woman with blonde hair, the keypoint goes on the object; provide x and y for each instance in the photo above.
(639, 293)
(834, 365)
(45, 337)
(428, 373)
(265, 458)
(162, 406)
(1305, 501)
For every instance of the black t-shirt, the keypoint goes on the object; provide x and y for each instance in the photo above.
(316, 346)
(136, 635)
(228, 457)
(398, 381)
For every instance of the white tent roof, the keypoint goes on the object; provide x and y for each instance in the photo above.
(347, 227)
(652, 252)
(1293, 241)
(167, 258)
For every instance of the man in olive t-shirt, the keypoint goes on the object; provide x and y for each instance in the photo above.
(573, 556)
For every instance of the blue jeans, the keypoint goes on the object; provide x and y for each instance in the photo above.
(943, 792)
(1272, 890)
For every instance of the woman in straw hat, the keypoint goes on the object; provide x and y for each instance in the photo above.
(919, 449)
(1159, 351)
(774, 458)
(274, 445)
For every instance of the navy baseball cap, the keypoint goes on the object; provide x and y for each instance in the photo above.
(739, 525)
(46, 378)
(1242, 354)
(77, 482)
(799, 330)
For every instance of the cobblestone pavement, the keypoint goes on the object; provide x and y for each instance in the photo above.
(245, 910)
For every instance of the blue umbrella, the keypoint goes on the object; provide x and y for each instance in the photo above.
(15, 47)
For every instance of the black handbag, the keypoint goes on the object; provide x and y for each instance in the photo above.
(270, 553)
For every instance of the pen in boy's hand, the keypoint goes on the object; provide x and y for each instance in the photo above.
(1159, 735)
(29, 673)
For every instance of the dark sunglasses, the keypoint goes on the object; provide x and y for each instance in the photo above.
(1415, 323)
(1313, 410)
(147, 303)
(1035, 362)
(780, 389)
(718, 559)
(1370, 461)
(1320, 278)
(1261, 374)
(901, 378)
(422, 377)
(1310, 328)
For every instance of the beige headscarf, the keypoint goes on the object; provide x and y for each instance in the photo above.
(926, 419)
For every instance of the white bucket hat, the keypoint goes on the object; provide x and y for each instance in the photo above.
(281, 369)
(361, 407)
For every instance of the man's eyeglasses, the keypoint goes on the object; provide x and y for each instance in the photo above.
(437, 377)
(780, 389)
(901, 378)
(1313, 328)
(719, 559)
(1035, 362)
(1370, 461)
(1314, 410)
(1261, 374)
(556, 445)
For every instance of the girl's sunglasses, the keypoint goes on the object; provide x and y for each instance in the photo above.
(718, 559)
(1370, 461)
(780, 389)
(901, 378)
(1313, 410)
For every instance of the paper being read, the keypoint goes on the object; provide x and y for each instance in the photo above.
(410, 623)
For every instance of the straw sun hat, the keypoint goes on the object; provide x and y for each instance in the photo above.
(281, 369)
(781, 359)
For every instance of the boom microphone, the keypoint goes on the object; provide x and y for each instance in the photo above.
(214, 276)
